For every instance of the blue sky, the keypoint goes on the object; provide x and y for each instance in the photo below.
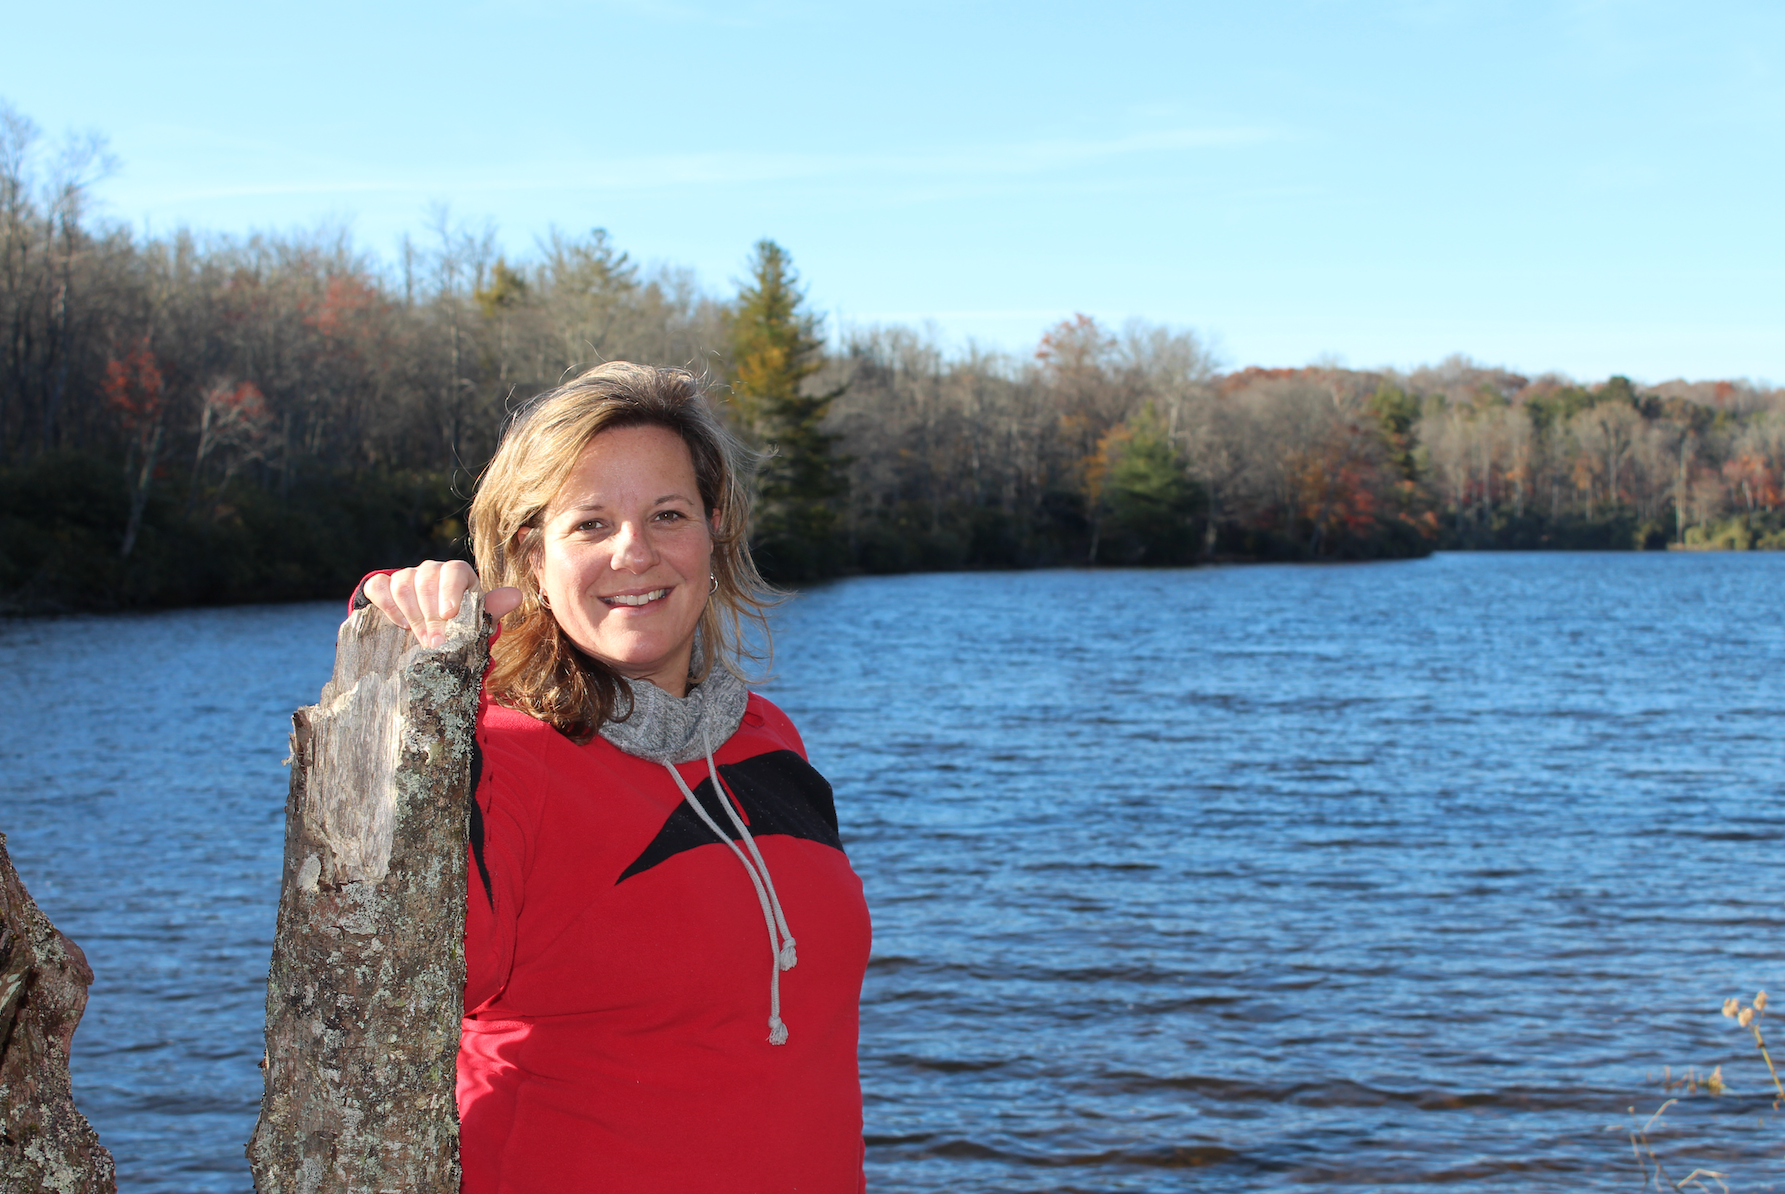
(1587, 187)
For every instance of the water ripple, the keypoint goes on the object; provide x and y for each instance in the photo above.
(1405, 876)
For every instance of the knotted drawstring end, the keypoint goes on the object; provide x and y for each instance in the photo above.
(781, 945)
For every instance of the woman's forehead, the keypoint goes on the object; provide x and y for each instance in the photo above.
(630, 465)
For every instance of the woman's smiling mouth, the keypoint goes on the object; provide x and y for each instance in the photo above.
(635, 599)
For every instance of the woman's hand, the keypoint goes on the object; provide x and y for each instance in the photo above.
(426, 597)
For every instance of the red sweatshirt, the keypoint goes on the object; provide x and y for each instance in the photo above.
(617, 972)
(618, 964)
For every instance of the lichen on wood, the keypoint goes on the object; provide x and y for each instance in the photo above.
(366, 988)
(45, 1143)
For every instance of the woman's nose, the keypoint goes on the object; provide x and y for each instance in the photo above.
(632, 548)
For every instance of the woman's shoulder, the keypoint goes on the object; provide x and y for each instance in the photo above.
(518, 739)
(766, 717)
(498, 720)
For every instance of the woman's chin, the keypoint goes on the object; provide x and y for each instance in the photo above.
(644, 657)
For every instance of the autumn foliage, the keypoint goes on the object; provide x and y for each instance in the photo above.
(191, 418)
(1119, 447)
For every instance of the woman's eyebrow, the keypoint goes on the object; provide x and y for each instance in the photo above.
(596, 505)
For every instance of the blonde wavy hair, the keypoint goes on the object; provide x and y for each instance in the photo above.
(534, 666)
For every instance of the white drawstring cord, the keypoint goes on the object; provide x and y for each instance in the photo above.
(782, 955)
(787, 955)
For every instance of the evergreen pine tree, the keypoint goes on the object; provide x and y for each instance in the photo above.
(776, 348)
(1151, 506)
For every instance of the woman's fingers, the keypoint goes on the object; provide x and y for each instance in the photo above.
(431, 630)
(438, 590)
(404, 607)
(378, 591)
(451, 581)
(423, 598)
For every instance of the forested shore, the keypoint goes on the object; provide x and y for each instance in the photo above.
(189, 418)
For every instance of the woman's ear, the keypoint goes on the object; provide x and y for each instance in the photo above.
(525, 554)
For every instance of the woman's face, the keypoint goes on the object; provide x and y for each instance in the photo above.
(627, 552)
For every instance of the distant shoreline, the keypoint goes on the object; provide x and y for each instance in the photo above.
(61, 603)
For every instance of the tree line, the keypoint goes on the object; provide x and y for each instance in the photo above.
(188, 417)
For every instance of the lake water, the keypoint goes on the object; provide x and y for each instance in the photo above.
(1407, 875)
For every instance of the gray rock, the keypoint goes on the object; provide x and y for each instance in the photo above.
(45, 1143)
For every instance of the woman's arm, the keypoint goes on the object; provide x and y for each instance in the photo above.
(500, 848)
(426, 597)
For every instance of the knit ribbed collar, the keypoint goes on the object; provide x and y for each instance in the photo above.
(667, 729)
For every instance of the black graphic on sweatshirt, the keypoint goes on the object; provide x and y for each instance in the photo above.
(780, 793)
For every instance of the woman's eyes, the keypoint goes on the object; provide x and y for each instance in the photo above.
(600, 524)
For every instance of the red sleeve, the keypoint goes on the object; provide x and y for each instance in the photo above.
(496, 884)
(358, 600)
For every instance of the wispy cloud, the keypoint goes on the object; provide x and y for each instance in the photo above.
(961, 164)
(1016, 158)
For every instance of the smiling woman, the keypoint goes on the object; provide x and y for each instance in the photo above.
(624, 568)
(640, 818)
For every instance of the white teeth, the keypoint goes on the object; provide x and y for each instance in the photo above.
(638, 599)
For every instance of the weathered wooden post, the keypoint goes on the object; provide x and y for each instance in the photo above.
(366, 989)
(45, 1143)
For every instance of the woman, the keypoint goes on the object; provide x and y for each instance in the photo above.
(643, 825)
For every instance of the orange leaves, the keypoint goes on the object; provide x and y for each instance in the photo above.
(243, 399)
(1334, 485)
(1092, 397)
(1754, 477)
(1096, 466)
(1074, 346)
(235, 414)
(346, 301)
(134, 386)
(234, 421)
(1251, 375)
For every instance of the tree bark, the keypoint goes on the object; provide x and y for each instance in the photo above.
(45, 1143)
(139, 492)
(366, 988)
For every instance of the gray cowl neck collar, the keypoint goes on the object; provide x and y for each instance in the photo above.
(666, 729)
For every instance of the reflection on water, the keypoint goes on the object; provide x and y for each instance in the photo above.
(1402, 874)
